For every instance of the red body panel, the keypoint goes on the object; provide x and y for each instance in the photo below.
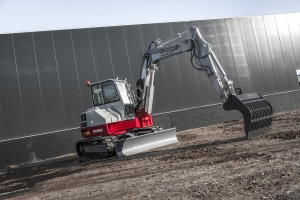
(117, 128)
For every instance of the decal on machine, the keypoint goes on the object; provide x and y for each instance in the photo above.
(98, 130)
(166, 54)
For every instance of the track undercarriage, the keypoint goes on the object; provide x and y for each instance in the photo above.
(98, 147)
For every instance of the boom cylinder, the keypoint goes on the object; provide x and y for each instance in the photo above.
(150, 93)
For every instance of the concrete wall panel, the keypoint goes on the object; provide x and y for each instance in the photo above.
(12, 124)
(277, 53)
(29, 80)
(49, 81)
(254, 59)
(288, 52)
(101, 54)
(294, 28)
(68, 76)
(262, 41)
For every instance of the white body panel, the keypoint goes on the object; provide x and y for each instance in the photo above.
(96, 116)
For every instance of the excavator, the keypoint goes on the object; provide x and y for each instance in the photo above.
(120, 121)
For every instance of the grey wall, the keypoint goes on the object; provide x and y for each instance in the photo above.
(43, 74)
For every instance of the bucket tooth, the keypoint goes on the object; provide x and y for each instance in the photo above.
(257, 112)
(134, 145)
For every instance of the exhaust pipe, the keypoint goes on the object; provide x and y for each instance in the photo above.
(257, 112)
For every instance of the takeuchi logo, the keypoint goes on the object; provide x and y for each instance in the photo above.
(98, 130)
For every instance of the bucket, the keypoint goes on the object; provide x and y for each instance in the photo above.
(257, 112)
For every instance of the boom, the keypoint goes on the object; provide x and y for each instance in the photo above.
(257, 114)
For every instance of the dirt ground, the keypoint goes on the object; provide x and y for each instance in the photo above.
(214, 162)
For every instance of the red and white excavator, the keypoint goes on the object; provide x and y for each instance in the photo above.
(120, 122)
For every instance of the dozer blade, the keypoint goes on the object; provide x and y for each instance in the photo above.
(145, 142)
(257, 112)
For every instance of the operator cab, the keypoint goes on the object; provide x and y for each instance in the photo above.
(114, 94)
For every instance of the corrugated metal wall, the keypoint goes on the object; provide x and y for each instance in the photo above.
(43, 74)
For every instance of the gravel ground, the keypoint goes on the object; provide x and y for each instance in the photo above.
(214, 162)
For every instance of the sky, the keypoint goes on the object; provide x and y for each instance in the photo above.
(40, 15)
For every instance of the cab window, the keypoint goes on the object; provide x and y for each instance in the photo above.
(97, 95)
(109, 91)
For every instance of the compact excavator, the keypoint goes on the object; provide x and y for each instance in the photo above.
(120, 122)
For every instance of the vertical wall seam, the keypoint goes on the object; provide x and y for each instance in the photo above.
(112, 65)
(218, 42)
(271, 53)
(141, 38)
(247, 59)
(93, 54)
(262, 68)
(284, 59)
(163, 72)
(234, 61)
(12, 38)
(57, 71)
(297, 62)
(76, 70)
(3, 129)
(127, 54)
(37, 70)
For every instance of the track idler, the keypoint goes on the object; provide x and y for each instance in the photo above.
(257, 112)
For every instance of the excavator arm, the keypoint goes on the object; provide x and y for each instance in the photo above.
(257, 112)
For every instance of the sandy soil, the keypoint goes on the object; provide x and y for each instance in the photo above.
(214, 162)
